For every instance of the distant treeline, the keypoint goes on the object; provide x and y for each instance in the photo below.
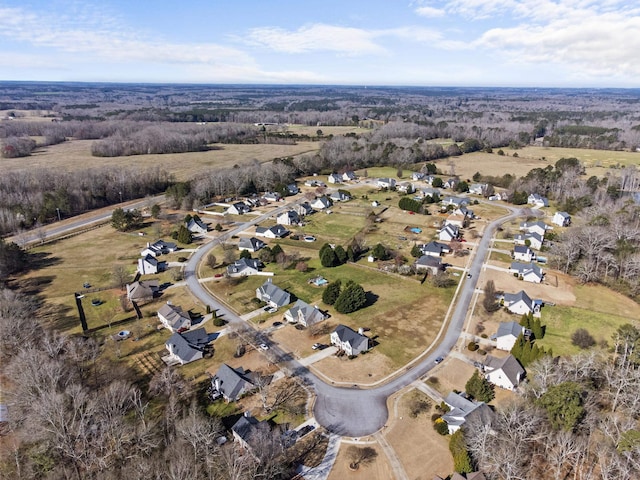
(35, 196)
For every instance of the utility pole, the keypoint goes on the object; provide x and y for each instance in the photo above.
(120, 192)
(58, 210)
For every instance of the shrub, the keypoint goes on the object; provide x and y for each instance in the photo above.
(473, 346)
(218, 322)
(441, 426)
(582, 338)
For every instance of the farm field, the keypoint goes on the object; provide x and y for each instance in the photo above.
(76, 155)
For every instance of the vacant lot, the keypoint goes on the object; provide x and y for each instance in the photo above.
(76, 155)
(377, 469)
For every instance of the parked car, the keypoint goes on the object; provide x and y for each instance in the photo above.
(306, 429)
(316, 346)
(263, 346)
(438, 360)
(270, 309)
(86, 285)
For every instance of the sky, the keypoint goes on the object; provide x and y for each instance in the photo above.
(496, 43)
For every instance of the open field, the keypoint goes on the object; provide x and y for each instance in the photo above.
(378, 469)
(422, 451)
(76, 155)
(598, 160)
(326, 130)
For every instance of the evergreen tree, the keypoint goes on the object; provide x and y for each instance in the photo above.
(479, 388)
(563, 404)
(187, 218)
(415, 251)
(184, 235)
(352, 298)
(332, 292)
(155, 210)
(245, 254)
(380, 252)
(537, 329)
(276, 250)
(341, 255)
(265, 255)
(328, 256)
(525, 320)
(351, 255)
(459, 452)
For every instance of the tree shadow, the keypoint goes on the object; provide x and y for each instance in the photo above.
(372, 298)
(41, 260)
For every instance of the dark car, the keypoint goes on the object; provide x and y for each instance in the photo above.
(86, 285)
(306, 429)
(439, 359)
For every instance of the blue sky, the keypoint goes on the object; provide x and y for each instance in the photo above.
(556, 43)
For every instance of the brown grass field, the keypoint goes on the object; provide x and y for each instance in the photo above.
(379, 468)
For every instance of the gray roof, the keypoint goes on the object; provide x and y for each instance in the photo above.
(435, 247)
(245, 427)
(271, 293)
(429, 261)
(142, 290)
(278, 230)
(305, 313)
(509, 328)
(183, 348)
(174, 316)
(463, 409)
(350, 336)
(233, 381)
(198, 337)
(196, 222)
(509, 365)
(243, 264)
(151, 260)
(523, 268)
(292, 215)
(521, 249)
(563, 214)
(252, 243)
(511, 298)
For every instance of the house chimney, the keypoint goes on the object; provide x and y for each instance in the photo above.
(217, 384)
(247, 414)
(361, 331)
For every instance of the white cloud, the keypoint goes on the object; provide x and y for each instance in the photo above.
(430, 12)
(317, 37)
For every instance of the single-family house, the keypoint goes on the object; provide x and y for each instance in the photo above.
(150, 265)
(276, 231)
(428, 179)
(238, 208)
(464, 211)
(245, 431)
(292, 189)
(290, 217)
(537, 200)
(428, 192)
(538, 227)
(451, 182)
(534, 240)
(504, 372)
(349, 176)
(562, 219)
(520, 303)
(434, 249)
(304, 314)
(507, 334)
(405, 187)
(334, 178)
(303, 209)
(314, 183)
(455, 201)
(187, 347)
(386, 182)
(340, 197)
(252, 244)
(142, 290)
(272, 196)
(244, 267)
(321, 203)
(529, 272)
(173, 318)
(197, 226)
(478, 188)
(159, 247)
(231, 383)
(463, 409)
(427, 263)
(416, 176)
(449, 233)
(273, 295)
(456, 220)
(350, 341)
(523, 253)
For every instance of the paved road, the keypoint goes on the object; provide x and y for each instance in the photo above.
(353, 411)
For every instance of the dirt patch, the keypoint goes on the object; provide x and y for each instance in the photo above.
(378, 469)
(368, 368)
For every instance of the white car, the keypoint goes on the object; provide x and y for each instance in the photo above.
(316, 346)
(263, 346)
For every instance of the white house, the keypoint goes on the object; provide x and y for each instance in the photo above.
(304, 314)
(272, 197)
(386, 182)
(505, 372)
(456, 220)
(462, 409)
(537, 200)
(415, 176)
(159, 247)
(290, 217)
(150, 265)
(186, 347)
(238, 208)
(321, 203)
(455, 201)
(451, 183)
(529, 272)
(523, 253)
(405, 187)
(449, 233)
(340, 197)
(350, 341)
(276, 231)
(535, 240)
(173, 318)
(519, 303)
(245, 267)
(434, 249)
(428, 263)
(562, 219)
(334, 178)
(538, 227)
(273, 295)
(303, 209)
(478, 188)
(349, 176)
(428, 192)
(252, 244)
(507, 334)
(197, 226)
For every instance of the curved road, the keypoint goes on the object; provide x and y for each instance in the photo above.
(351, 411)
